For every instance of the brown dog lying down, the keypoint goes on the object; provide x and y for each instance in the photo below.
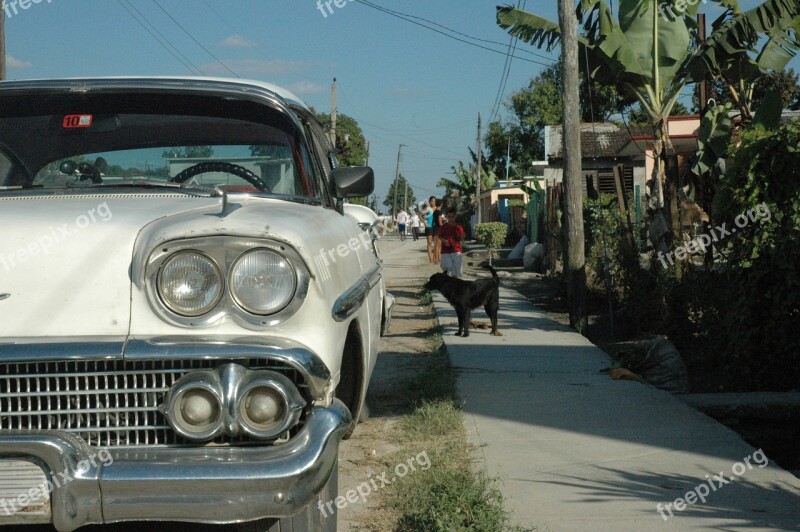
(467, 295)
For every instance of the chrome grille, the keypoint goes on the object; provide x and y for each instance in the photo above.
(106, 403)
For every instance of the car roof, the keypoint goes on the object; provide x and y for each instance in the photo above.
(288, 97)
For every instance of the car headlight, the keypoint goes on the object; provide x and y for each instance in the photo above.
(190, 283)
(262, 281)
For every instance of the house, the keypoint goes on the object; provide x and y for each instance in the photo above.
(605, 145)
(507, 202)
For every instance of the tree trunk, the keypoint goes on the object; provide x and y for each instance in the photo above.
(575, 264)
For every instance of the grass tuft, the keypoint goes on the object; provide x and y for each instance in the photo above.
(432, 420)
(450, 494)
(425, 297)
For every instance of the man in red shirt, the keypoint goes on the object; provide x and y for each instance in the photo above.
(451, 234)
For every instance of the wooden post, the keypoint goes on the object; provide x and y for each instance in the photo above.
(622, 202)
(575, 263)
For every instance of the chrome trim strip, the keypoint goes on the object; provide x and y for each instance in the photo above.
(315, 372)
(351, 300)
(197, 484)
(58, 349)
(388, 307)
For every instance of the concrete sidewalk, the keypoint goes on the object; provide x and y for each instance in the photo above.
(575, 450)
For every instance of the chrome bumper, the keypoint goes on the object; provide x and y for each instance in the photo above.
(197, 484)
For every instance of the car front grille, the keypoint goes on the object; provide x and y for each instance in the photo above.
(106, 403)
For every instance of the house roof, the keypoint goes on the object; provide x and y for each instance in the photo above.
(597, 140)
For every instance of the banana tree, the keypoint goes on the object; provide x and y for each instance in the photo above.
(648, 50)
(643, 51)
(464, 183)
(736, 54)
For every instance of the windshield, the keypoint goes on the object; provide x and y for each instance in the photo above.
(188, 141)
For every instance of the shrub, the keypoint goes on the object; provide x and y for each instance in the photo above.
(762, 276)
(492, 235)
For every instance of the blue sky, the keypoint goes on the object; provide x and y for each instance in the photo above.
(403, 83)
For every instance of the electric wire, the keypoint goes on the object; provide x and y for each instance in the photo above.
(451, 30)
(198, 43)
(408, 18)
(159, 37)
(506, 71)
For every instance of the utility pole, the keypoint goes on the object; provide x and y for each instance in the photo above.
(396, 177)
(2, 44)
(575, 267)
(508, 157)
(333, 113)
(366, 159)
(706, 184)
(478, 173)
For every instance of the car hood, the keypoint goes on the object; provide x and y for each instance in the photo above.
(66, 261)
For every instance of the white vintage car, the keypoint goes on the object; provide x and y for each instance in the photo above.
(188, 319)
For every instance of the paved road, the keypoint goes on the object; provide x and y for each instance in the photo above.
(578, 451)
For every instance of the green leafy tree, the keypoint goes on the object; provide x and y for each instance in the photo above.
(405, 196)
(536, 106)
(531, 109)
(463, 187)
(351, 146)
(784, 81)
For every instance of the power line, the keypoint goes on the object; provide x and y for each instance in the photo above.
(158, 36)
(198, 43)
(409, 18)
(451, 30)
(412, 139)
(506, 72)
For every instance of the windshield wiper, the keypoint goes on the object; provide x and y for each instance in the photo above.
(149, 183)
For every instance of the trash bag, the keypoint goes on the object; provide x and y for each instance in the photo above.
(660, 364)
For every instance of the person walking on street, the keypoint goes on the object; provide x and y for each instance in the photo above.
(451, 234)
(415, 225)
(427, 219)
(438, 219)
(402, 219)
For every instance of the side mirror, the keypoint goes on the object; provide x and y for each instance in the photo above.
(353, 182)
(68, 167)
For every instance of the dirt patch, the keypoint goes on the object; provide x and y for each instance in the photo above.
(369, 452)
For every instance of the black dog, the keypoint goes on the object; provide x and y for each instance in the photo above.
(467, 295)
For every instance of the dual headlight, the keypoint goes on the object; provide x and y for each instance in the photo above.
(261, 282)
